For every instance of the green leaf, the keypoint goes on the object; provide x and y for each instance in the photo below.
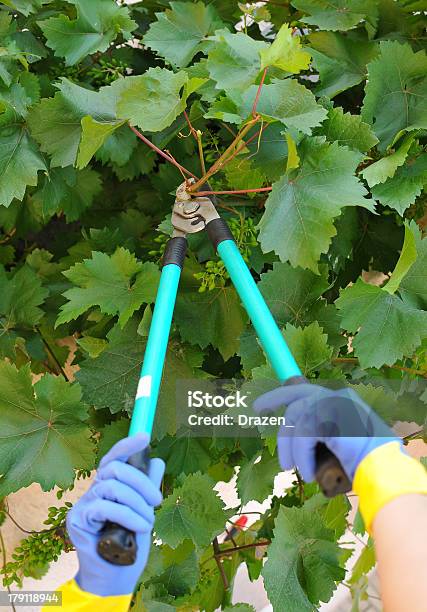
(309, 346)
(336, 15)
(94, 135)
(364, 563)
(340, 60)
(288, 102)
(153, 100)
(234, 60)
(241, 174)
(26, 6)
(293, 157)
(405, 186)
(298, 220)
(413, 287)
(386, 327)
(67, 190)
(291, 293)
(285, 52)
(44, 437)
(184, 454)
(20, 162)
(111, 380)
(396, 91)
(97, 25)
(255, 480)
(192, 512)
(179, 32)
(348, 130)
(303, 562)
(20, 298)
(56, 122)
(111, 434)
(93, 346)
(118, 284)
(407, 257)
(221, 313)
(386, 167)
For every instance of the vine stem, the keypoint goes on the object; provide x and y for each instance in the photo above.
(52, 354)
(217, 554)
(258, 93)
(235, 191)
(16, 522)
(3, 552)
(393, 367)
(222, 160)
(221, 553)
(161, 153)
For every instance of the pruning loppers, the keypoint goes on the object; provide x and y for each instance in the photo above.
(191, 215)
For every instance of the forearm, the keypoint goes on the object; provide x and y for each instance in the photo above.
(392, 489)
(400, 534)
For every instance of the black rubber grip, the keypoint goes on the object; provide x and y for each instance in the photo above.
(330, 474)
(116, 544)
(176, 249)
(218, 231)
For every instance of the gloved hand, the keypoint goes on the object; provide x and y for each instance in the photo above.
(340, 419)
(124, 495)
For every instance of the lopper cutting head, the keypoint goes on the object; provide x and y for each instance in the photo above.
(191, 214)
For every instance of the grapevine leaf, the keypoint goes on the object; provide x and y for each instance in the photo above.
(97, 25)
(288, 102)
(308, 345)
(179, 32)
(20, 162)
(405, 186)
(291, 293)
(111, 380)
(111, 434)
(94, 135)
(56, 122)
(241, 174)
(44, 437)
(192, 512)
(256, 478)
(413, 287)
(20, 298)
(153, 100)
(336, 15)
(118, 284)
(348, 130)
(396, 92)
(222, 316)
(26, 6)
(184, 454)
(364, 563)
(234, 61)
(303, 562)
(341, 60)
(117, 147)
(385, 168)
(393, 407)
(298, 220)
(407, 257)
(285, 52)
(386, 327)
(68, 190)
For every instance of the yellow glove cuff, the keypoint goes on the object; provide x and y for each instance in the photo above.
(76, 600)
(384, 474)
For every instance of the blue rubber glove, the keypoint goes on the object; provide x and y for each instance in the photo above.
(124, 495)
(340, 419)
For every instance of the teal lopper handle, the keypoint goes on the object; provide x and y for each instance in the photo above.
(155, 352)
(265, 326)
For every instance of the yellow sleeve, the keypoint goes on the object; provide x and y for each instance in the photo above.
(385, 474)
(76, 600)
